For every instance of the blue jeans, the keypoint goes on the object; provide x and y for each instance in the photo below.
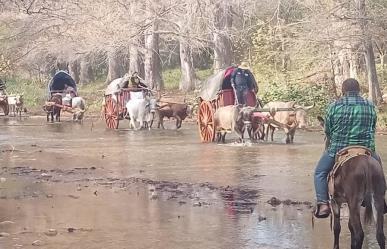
(324, 166)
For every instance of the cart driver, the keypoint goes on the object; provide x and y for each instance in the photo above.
(135, 81)
(69, 95)
(69, 90)
(242, 80)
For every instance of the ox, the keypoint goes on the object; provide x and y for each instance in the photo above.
(4, 103)
(177, 111)
(15, 104)
(142, 111)
(228, 118)
(53, 108)
(254, 124)
(291, 119)
(78, 105)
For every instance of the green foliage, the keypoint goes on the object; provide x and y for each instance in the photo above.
(93, 95)
(382, 76)
(34, 92)
(303, 94)
(204, 74)
(382, 120)
(171, 78)
(382, 117)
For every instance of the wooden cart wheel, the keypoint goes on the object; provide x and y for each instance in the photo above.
(206, 122)
(111, 112)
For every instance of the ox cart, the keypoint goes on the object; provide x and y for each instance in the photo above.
(63, 86)
(3, 99)
(117, 95)
(217, 92)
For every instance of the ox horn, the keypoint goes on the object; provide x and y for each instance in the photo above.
(306, 108)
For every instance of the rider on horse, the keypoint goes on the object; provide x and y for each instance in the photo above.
(350, 120)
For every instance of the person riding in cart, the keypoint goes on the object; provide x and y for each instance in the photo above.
(242, 80)
(135, 81)
(70, 90)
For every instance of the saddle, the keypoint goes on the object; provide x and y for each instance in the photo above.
(341, 157)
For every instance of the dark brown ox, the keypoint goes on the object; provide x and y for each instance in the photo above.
(253, 124)
(4, 104)
(172, 110)
(291, 119)
(53, 109)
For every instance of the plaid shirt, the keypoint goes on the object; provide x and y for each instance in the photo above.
(350, 121)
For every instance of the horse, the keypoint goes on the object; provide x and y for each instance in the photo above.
(54, 110)
(359, 181)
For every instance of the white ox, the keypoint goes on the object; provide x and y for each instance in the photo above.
(142, 111)
(15, 104)
(79, 107)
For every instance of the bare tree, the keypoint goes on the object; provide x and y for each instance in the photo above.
(222, 43)
(115, 65)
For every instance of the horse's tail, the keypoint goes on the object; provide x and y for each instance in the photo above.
(369, 207)
(369, 200)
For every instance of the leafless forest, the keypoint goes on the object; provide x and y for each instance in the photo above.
(323, 41)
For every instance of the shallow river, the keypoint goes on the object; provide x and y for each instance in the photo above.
(98, 188)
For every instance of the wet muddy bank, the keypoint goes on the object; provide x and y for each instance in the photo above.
(200, 194)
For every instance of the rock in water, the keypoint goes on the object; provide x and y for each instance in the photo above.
(3, 234)
(37, 243)
(51, 232)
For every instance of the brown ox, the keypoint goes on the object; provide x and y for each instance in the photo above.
(177, 111)
(291, 119)
(253, 124)
(53, 109)
(4, 104)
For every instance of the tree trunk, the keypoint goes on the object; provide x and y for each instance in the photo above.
(374, 94)
(222, 43)
(115, 67)
(135, 63)
(152, 59)
(382, 63)
(86, 71)
(74, 70)
(188, 78)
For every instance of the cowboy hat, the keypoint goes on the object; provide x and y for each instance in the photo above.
(244, 65)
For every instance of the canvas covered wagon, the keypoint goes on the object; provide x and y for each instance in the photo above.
(217, 92)
(116, 96)
(65, 87)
